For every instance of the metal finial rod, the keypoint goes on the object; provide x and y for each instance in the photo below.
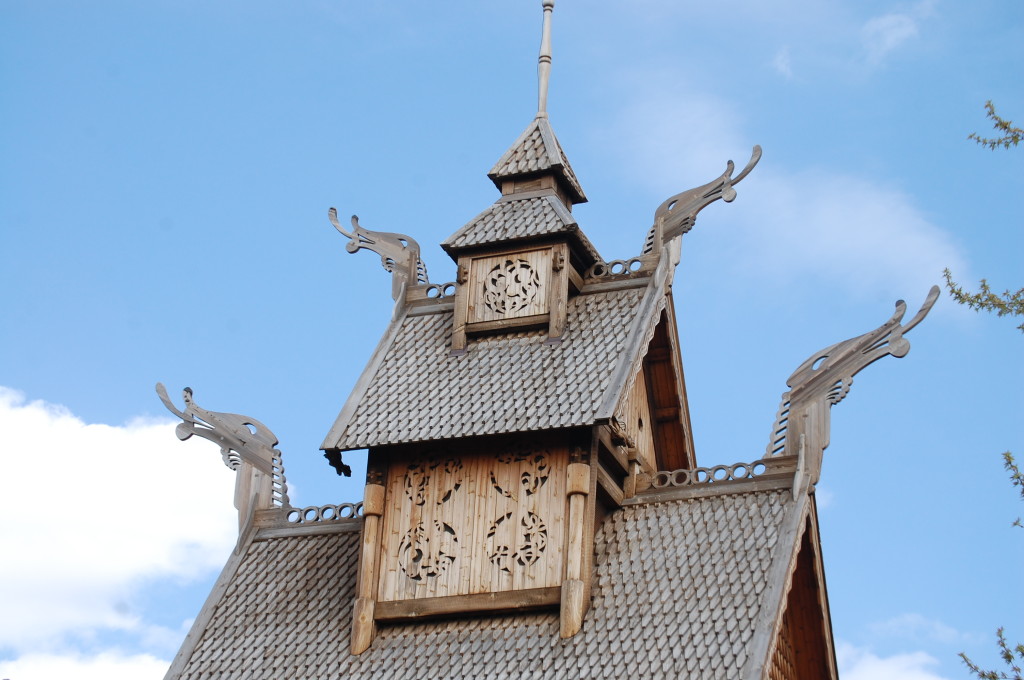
(544, 62)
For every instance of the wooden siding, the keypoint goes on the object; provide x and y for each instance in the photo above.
(639, 425)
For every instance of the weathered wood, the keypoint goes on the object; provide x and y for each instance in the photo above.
(762, 483)
(519, 323)
(318, 528)
(461, 314)
(509, 285)
(362, 624)
(608, 485)
(532, 598)
(558, 290)
(611, 451)
(573, 608)
(473, 518)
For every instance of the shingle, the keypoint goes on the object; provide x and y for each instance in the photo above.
(421, 393)
(651, 595)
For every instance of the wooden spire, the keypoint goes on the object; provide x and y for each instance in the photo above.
(544, 61)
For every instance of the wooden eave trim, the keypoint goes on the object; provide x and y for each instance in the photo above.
(332, 440)
(819, 572)
(683, 493)
(341, 526)
(452, 605)
(202, 620)
(780, 580)
(677, 367)
(595, 286)
(644, 323)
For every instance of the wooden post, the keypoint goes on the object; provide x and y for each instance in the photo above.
(573, 588)
(363, 628)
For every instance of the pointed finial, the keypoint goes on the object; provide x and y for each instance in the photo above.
(544, 63)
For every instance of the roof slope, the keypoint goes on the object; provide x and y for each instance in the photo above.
(537, 150)
(679, 590)
(416, 391)
(514, 218)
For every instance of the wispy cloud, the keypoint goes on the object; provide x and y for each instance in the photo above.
(885, 33)
(782, 63)
(799, 227)
(95, 512)
(918, 628)
(856, 663)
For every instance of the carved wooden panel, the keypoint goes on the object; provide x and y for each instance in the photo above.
(471, 523)
(509, 286)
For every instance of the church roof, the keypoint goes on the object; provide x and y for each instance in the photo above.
(537, 150)
(415, 390)
(518, 218)
(682, 589)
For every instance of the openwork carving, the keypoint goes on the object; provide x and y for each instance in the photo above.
(317, 514)
(825, 378)
(440, 290)
(531, 548)
(677, 215)
(708, 475)
(614, 268)
(424, 554)
(241, 439)
(510, 286)
(399, 254)
(417, 479)
(530, 480)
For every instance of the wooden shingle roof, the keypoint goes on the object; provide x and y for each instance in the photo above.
(516, 218)
(537, 150)
(414, 390)
(682, 589)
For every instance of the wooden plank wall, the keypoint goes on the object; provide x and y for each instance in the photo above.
(473, 522)
(639, 425)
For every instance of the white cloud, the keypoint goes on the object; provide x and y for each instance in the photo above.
(842, 229)
(106, 666)
(800, 228)
(883, 34)
(94, 512)
(856, 663)
(917, 627)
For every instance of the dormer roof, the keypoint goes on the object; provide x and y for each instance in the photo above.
(522, 217)
(537, 152)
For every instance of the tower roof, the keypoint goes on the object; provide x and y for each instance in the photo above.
(536, 152)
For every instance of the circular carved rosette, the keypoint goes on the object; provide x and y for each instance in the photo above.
(511, 286)
(427, 550)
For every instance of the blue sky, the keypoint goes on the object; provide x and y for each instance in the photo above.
(165, 173)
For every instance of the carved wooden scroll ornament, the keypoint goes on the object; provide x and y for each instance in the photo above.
(246, 446)
(399, 254)
(677, 215)
(824, 380)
